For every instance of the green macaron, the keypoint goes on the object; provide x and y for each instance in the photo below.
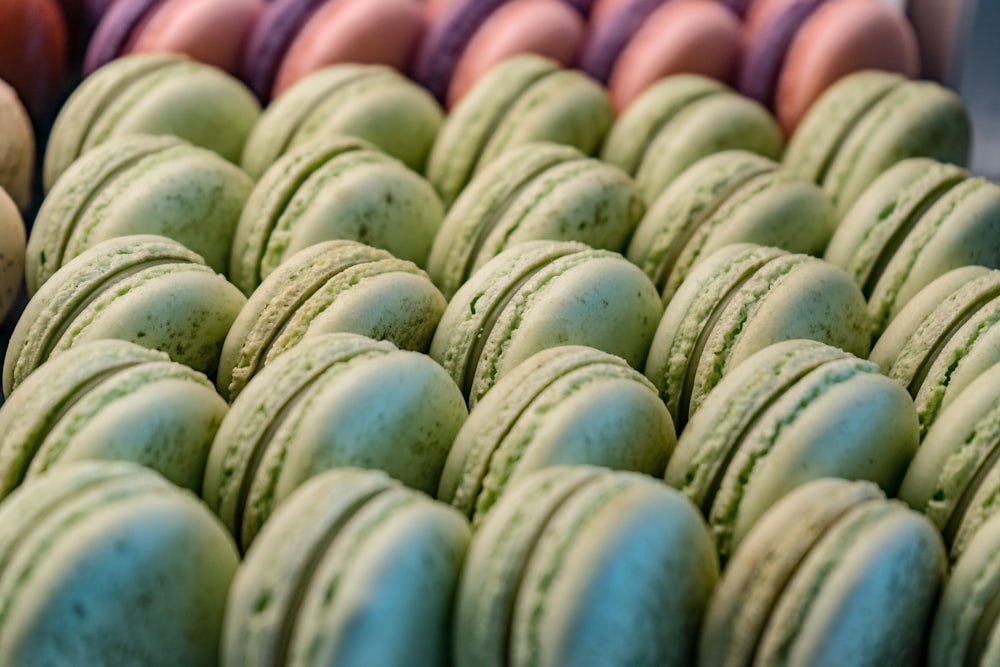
(564, 405)
(834, 574)
(965, 629)
(728, 197)
(336, 187)
(954, 478)
(793, 412)
(578, 565)
(354, 569)
(522, 100)
(867, 122)
(139, 184)
(149, 290)
(110, 399)
(372, 102)
(534, 191)
(328, 287)
(335, 400)
(541, 294)
(943, 339)
(679, 120)
(740, 299)
(917, 220)
(107, 563)
(152, 94)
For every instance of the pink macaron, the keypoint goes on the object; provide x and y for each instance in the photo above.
(193, 27)
(357, 31)
(550, 28)
(681, 36)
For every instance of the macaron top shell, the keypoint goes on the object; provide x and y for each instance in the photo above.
(268, 42)
(17, 147)
(12, 244)
(612, 26)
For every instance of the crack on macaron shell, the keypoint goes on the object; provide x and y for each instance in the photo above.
(885, 296)
(741, 413)
(758, 445)
(497, 568)
(465, 132)
(87, 103)
(504, 462)
(681, 209)
(814, 146)
(637, 127)
(69, 201)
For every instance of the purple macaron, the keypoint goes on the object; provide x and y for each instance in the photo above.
(270, 40)
(609, 37)
(112, 34)
(766, 50)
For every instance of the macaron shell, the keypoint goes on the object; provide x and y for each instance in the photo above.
(680, 36)
(267, 44)
(612, 26)
(548, 28)
(158, 565)
(191, 27)
(469, 125)
(12, 253)
(805, 437)
(421, 411)
(843, 605)
(352, 31)
(916, 119)
(706, 126)
(113, 32)
(17, 147)
(768, 34)
(587, 299)
(394, 569)
(840, 38)
(968, 597)
(616, 542)
(565, 107)
(33, 53)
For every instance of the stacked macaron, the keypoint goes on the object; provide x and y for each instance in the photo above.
(34, 52)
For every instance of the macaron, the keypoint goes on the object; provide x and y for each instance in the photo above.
(550, 28)
(139, 184)
(522, 100)
(535, 191)
(152, 94)
(798, 48)
(869, 121)
(541, 294)
(834, 574)
(738, 300)
(107, 561)
(329, 287)
(148, 290)
(17, 147)
(371, 102)
(34, 45)
(681, 36)
(943, 339)
(335, 400)
(793, 412)
(109, 400)
(952, 478)
(727, 197)
(681, 119)
(295, 37)
(917, 220)
(336, 187)
(353, 569)
(578, 565)
(564, 405)
(613, 23)
(12, 244)
(174, 26)
(964, 631)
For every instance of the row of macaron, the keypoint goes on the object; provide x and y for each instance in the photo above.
(689, 167)
(784, 54)
(534, 552)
